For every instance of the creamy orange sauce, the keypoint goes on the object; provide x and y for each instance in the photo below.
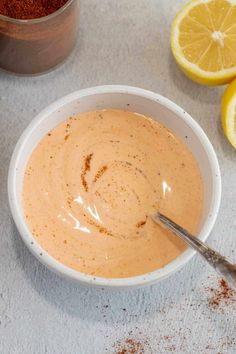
(92, 183)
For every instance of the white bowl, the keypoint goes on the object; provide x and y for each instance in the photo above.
(133, 99)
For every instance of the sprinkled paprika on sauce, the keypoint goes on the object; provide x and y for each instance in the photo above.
(100, 193)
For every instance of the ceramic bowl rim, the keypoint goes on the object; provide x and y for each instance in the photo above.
(61, 269)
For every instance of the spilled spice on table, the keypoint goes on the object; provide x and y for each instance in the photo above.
(129, 346)
(225, 294)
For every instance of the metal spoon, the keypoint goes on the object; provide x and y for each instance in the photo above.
(221, 264)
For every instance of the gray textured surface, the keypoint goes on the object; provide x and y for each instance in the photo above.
(125, 42)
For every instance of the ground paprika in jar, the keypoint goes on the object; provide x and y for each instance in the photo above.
(29, 9)
(36, 35)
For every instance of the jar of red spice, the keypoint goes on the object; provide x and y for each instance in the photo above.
(36, 35)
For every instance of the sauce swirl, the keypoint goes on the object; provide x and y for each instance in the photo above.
(92, 183)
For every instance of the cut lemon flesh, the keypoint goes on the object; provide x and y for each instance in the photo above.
(203, 40)
(228, 113)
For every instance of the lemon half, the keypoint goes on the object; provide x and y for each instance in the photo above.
(228, 112)
(203, 40)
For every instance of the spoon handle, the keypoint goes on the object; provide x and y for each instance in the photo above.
(221, 264)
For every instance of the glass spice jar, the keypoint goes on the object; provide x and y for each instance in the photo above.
(37, 45)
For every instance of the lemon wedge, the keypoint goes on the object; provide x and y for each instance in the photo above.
(228, 112)
(203, 40)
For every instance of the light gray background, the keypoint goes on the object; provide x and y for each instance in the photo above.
(120, 42)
